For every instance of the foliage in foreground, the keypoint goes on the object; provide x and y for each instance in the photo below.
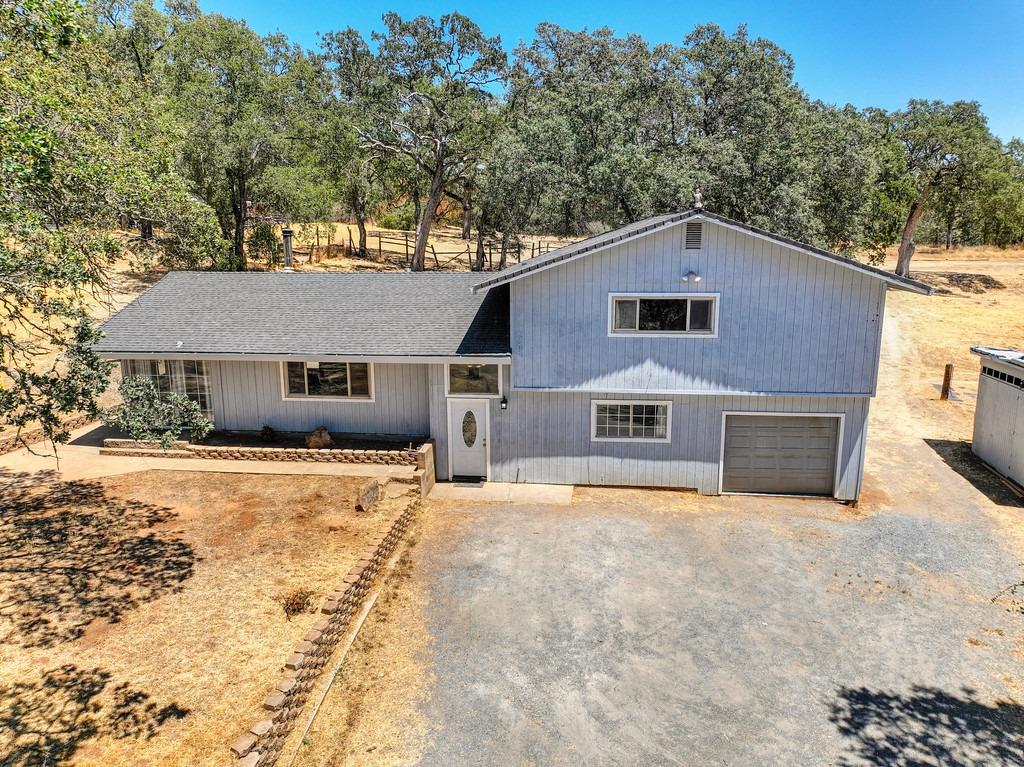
(80, 155)
(147, 414)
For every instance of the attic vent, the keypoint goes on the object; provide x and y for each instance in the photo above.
(694, 231)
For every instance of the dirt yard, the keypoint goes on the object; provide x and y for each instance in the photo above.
(979, 301)
(446, 250)
(142, 615)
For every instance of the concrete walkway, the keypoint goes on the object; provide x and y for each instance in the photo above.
(503, 492)
(83, 461)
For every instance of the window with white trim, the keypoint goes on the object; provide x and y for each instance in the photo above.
(187, 377)
(335, 380)
(642, 420)
(474, 380)
(671, 315)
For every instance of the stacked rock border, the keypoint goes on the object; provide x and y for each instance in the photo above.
(10, 444)
(182, 449)
(262, 744)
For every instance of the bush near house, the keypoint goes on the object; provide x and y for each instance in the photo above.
(147, 414)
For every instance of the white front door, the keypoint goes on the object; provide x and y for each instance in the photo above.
(467, 436)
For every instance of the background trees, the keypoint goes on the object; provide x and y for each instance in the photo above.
(424, 95)
(190, 129)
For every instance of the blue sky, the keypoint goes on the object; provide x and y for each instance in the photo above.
(868, 53)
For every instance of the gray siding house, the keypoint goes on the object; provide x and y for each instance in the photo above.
(685, 350)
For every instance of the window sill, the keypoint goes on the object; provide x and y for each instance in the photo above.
(635, 440)
(304, 398)
(662, 334)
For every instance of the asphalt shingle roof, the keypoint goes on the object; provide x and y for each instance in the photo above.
(373, 314)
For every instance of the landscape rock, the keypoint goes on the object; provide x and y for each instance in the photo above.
(368, 496)
(319, 438)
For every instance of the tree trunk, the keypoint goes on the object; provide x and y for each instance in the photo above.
(949, 233)
(361, 225)
(426, 222)
(467, 212)
(238, 241)
(907, 247)
(478, 262)
(504, 250)
(238, 214)
(146, 230)
(416, 210)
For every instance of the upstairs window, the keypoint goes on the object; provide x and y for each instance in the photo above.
(664, 315)
(342, 380)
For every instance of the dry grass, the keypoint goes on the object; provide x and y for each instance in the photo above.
(971, 310)
(371, 717)
(142, 613)
(387, 256)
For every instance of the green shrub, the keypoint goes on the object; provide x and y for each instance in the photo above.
(264, 245)
(398, 218)
(146, 414)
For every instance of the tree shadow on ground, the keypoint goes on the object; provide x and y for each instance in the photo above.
(958, 456)
(928, 726)
(71, 554)
(45, 721)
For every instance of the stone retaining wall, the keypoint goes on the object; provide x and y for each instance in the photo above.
(30, 437)
(262, 743)
(425, 474)
(397, 457)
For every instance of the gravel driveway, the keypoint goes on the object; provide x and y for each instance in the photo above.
(644, 628)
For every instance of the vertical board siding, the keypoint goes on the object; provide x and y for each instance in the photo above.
(999, 424)
(247, 395)
(545, 437)
(438, 406)
(788, 322)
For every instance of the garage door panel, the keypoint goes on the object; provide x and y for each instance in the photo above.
(780, 454)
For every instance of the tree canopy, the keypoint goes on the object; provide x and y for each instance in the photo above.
(189, 128)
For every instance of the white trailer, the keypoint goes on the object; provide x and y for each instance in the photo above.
(999, 415)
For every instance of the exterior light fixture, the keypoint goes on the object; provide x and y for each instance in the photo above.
(504, 403)
(692, 277)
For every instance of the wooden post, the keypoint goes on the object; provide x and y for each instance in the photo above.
(380, 247)
(405, 237)
(947, 382)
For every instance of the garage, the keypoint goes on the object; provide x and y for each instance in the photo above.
(775, 453)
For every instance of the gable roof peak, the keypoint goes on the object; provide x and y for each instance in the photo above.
(654, 223)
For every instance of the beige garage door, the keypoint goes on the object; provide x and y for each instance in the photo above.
(780, 454)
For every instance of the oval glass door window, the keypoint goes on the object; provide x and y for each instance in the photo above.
(469, 428)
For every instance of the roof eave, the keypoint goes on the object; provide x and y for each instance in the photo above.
(516, 272)
(433, 358)
(892, 280)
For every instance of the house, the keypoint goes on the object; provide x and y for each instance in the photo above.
(999, 413)
(685, 350)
